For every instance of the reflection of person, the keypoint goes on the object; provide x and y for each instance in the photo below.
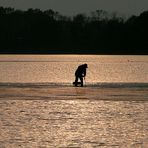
(80, 73)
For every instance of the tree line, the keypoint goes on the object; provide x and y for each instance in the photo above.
(36, 31)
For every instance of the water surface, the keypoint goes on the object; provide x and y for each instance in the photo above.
(39, 108)
(61, 68)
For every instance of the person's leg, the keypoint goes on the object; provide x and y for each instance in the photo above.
(81, 78)
(76, 81)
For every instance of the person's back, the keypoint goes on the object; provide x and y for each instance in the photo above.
(80, 73)
(81, 70)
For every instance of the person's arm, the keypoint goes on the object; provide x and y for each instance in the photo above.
(84, 73)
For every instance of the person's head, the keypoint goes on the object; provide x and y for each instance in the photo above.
(85, 65)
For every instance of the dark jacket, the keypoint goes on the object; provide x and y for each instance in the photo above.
(81, 71)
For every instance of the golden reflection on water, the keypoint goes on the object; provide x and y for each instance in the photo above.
(51, 117)
(61, 68)
(73, 123)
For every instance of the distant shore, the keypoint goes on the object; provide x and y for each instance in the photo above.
(45, 51)
(34, 31)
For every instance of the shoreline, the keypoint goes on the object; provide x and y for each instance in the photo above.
(41, 92)
(65, 84)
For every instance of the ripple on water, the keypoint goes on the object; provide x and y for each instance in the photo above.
(73, 123)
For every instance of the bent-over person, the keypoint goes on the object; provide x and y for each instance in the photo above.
(80, 73)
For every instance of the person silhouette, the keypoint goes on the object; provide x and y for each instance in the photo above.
(80, 73)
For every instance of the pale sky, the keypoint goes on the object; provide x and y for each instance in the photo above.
(72, 7)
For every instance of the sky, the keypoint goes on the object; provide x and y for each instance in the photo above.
(72, 7)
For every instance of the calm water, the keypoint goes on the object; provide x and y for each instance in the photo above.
(60, 69)
(37, 109)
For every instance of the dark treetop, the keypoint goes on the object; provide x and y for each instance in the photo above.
(47, 32)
